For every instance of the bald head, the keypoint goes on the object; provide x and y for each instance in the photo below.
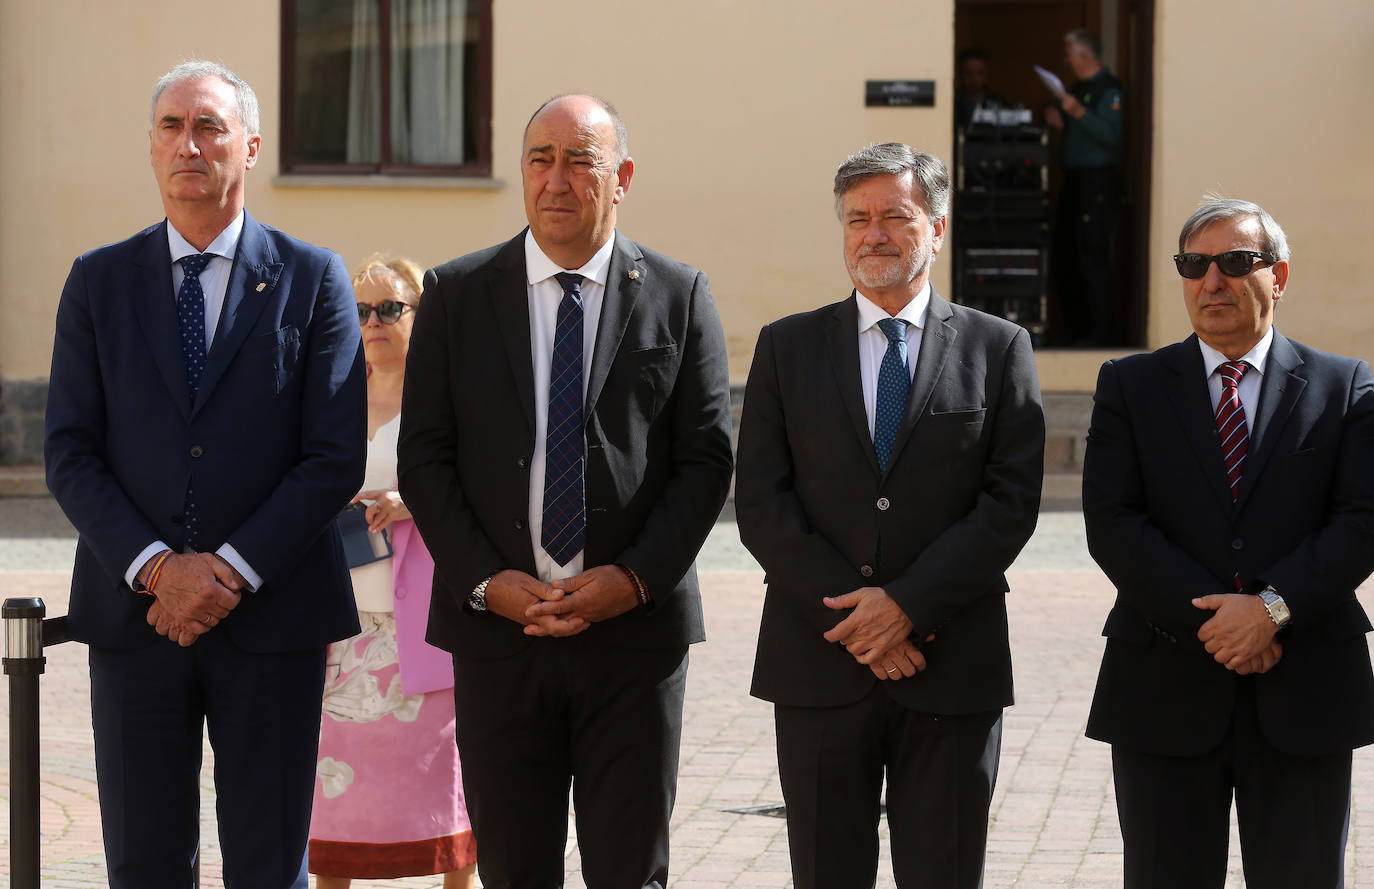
(580, 103)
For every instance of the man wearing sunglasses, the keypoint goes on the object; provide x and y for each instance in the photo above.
(1228, 492)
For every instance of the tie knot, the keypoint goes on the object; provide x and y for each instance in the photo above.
(194, 264)
(1232, 371)
(570, 283)
(894, 329)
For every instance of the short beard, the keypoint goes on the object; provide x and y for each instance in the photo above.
(902, 272)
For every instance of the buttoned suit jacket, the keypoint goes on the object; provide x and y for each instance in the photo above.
(274, 442)
(1162, 526)
(936, 531)
(657, 427)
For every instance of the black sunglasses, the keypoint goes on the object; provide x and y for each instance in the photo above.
(388, 312)
(1232, 263)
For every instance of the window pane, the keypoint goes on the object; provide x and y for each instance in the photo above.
(337, 90)
(434, 50)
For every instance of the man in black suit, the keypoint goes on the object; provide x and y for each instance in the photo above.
(206, 421)
(1228, 491)
(890, 460)
(565, 449)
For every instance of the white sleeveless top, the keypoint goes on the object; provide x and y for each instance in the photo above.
(374, 583)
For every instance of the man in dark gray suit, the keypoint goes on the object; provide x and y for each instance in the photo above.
(890, 459)
(565, 449)
(1228, 493)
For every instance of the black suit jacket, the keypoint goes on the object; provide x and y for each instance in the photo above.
(1162, 525)
(657, 437)
(937, 531)
(275, 441)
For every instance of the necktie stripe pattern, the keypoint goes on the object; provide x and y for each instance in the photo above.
(894, 385)
(191, 320)
(1231, 427)
(564, 530)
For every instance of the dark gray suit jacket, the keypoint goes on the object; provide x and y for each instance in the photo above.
(1162, 526)
(657, 436)
(937, 531)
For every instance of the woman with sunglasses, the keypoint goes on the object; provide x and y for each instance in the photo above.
(389, 794)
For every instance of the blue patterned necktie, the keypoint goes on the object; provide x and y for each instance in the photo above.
(191, 319)
(565, 502)
(894, 384)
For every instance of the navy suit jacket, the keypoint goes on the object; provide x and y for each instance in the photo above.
(1161, 524)
(275, 441)
(936, 531)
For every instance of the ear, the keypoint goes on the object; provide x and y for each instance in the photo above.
(254, 144)
(623, 177)
(1280, 272)
(938, 233)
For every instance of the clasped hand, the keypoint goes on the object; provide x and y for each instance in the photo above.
(1240, 635)
(195, 591)
(565, 607)
(876, 632)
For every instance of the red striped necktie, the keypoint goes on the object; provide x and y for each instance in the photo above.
(1231, 428)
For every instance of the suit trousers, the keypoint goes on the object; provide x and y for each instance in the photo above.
(148, 706)
(940, 772)
(1175, 811)
(570, 713)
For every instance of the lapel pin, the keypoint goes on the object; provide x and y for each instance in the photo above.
(634, 274)
(262, 287)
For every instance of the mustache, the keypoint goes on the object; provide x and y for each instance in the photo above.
(879, 251)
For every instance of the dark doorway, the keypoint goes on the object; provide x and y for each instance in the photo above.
(1014, 36)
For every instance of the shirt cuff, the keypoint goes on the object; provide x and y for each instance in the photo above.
(142, 559)
(231, 555)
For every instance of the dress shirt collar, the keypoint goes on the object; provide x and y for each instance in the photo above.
(913, 313)
(224, 244)
(1212, 359)
(538, 266)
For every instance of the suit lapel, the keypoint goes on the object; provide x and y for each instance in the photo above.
(154, 305)
(252, 284)
(843, 338)
(1186, 388)
(625, 276)
(937, 338)
(510, 302)
(1280, 388)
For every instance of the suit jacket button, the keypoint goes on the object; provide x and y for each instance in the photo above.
(197, 450)
(866, 570)
(883, 503)
(521, 463)
(1237, 544)
(400, 592)
(519, 525)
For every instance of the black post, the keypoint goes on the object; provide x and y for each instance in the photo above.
(24, 663)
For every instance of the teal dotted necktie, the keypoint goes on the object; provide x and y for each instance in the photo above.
(894, 385)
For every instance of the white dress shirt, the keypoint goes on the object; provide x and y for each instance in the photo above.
(214, 282)
(1249, 387)
(873, 343)
(544, 294)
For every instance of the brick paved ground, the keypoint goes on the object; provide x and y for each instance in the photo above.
(1053, 816)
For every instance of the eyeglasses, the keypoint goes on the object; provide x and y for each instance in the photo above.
(388, 312)
(1232, 263)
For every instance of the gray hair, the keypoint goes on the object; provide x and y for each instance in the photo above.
(1086, 39)
(195, 69)
(894, 159)
(622, 135)
(1215, 208)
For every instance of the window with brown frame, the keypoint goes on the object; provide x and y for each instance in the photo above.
(400, 87)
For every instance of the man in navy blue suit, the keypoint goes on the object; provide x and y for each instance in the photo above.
(206, 421)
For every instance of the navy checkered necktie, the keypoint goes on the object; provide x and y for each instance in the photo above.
(191, 319)
(894, 385)
(565, 495)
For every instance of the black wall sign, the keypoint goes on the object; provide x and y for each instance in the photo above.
(897, 93)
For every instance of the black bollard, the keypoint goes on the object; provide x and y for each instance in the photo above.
(24, 663)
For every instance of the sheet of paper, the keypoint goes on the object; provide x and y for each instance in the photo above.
(1050, 80)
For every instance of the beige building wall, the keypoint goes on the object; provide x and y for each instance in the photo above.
(738, 114)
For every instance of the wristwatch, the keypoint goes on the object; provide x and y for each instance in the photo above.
(477, 599)
(1277, 608)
